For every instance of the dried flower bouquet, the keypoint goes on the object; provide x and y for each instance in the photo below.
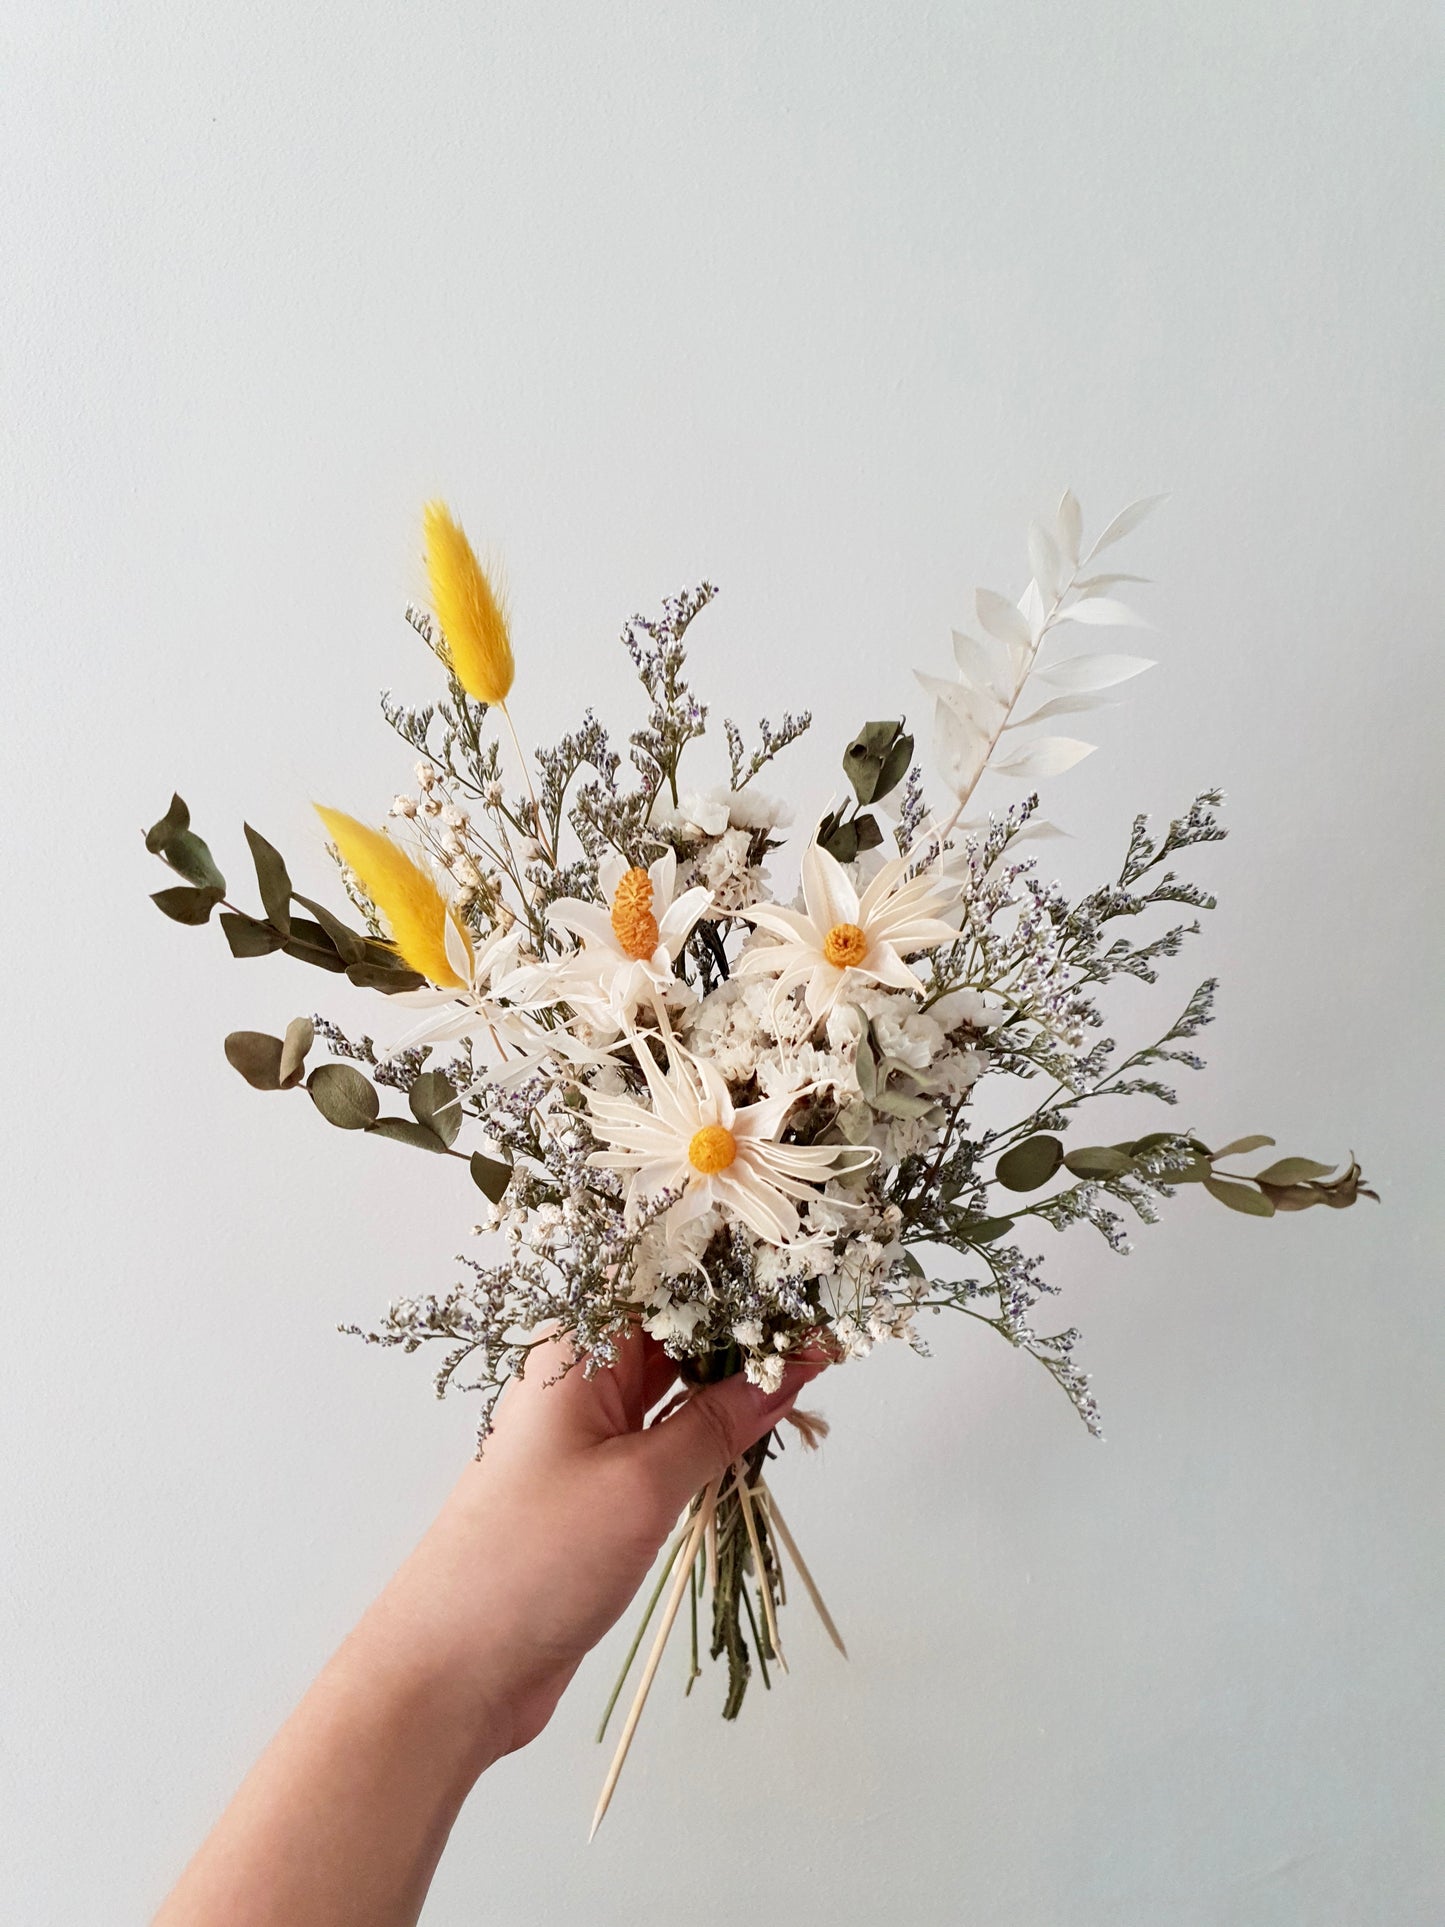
(734, 1116)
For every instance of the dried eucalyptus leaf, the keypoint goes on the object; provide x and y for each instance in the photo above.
(1240, 1197)
(257, 1056)
(895, 766)
(349, 944)
(433, 1102)
(300, 1036)
(343, 1096)
(176, 819)
(1098, 1161)
(1030, 1164)
(248, 937)
(1238, 1146)
(868, 830)
(310, 943)
(983, 1231)
(383, 977)
(491, 1176)
(272, 880)
(187, 903)
(1292, 1171)
(405, 1130)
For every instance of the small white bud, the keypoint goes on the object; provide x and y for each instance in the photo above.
(403, 806)
(426, 774)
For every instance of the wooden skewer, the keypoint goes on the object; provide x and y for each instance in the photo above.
(765, 1584)
(674, 1601)
(712, 1548)
(807, 1578)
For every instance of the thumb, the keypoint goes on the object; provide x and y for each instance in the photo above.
(717, 1425)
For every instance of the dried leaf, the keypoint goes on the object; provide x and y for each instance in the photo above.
(490, 1176)
(1044, 561)
(257, 1057)
(433, 1101)
(405, 1130)
(300, 1036)
(1125, 522)
(1240, 1197)
(1071, 529)
(1074, 705)
(1098, 1161)
(959, 752)
(271, 880)
(1080, 673)
(977, 662)
(173, 840)
(343, 1096)
(1002, 618)
(1292, 1171)
(982, 1231)
(1030, 1164)
(1238, 1146)
(248, 937)
(1102, 612)
(349, 945)
(1049, 756)
(186, 903)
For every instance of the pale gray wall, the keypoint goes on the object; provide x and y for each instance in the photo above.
(822, 301)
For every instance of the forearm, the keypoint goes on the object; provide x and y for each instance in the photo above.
(345, 1816)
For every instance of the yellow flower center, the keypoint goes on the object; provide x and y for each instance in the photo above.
(845, 945)
(633, 923)
(712, 1149)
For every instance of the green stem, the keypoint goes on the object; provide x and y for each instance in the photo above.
(668, 1564)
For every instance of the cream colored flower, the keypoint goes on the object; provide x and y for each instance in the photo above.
(629, 943)
(696, 1141)
(840, 939)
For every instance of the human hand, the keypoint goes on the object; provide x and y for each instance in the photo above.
(547, 1537)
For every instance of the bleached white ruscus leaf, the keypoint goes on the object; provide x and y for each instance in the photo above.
(975, 708)
(1071, 530)
(1049, 756)
(1072, 705)
(980, 663)
(959, 751)
(1125, 522)
(1103, 612)
(1044, 560)
(1002, 618)
(1080, 673)
(1090, 585)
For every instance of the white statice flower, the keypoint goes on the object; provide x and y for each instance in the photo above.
(959, 1007)
(748, 1332)
(710, 812)
(696, 1141)
(831, 1073)
(724, 870)
(629, 943)
(729, 1030)
(841, 940)
(674, 1319)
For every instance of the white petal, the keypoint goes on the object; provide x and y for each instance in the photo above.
(663, 874)
(610, 871)
(675, 923)
(586, 920)
(978, 662)
(830, 897)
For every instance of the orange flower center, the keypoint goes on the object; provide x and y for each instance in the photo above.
(633, 923)
(845, 945)
(712, 1149)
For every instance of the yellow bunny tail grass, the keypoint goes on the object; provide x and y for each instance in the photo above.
(472, 618)
(403, 892)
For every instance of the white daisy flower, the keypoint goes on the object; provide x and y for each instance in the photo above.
(630, 943)
(472, 1008)
(840, 940)
(695, 1140)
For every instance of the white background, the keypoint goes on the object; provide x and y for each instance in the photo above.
(822, 302)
